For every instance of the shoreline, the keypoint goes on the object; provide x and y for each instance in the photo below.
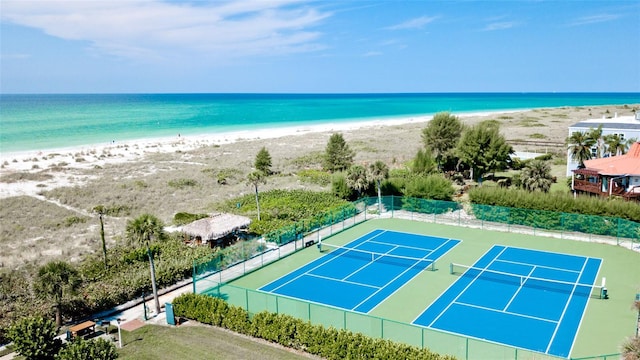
(122, 150)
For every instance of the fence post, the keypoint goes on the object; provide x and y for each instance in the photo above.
(193, 276)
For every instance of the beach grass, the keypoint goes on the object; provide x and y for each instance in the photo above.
(196, 177)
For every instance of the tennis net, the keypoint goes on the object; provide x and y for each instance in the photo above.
(594, 291)
(385, 258)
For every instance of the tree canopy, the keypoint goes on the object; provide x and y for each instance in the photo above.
(357, 178)
(338, 156)
(580, 147)
(536, 176)
(55, 280)
(442, 134)
(263, 161)
(34, 338)
(483, 149)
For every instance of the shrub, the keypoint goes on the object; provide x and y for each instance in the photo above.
(183, 218)
(35, 338)
(288, 331)
(313, 176)
(182, 183)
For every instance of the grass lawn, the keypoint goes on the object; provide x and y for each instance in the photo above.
(196, 342)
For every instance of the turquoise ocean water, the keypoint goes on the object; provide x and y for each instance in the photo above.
(41, 122)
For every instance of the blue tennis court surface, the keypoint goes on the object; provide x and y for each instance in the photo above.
(363, 273)
(525, 298)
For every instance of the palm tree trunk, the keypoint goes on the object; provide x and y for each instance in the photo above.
(379, 198)
(104, 244)
(58, 316)
(153, 280)
(257, 202)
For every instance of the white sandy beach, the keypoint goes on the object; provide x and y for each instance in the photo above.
(94, 155)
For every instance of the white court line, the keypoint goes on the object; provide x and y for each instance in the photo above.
(432, 261)
(506, 312)
(540, 266)
(391, 282)
(466, 287)
(368, 264)
(564, 311)
(520, 288)
(344, 281)
(400, 246)
(330, 259)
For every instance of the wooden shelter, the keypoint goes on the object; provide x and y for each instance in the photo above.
(219, 229)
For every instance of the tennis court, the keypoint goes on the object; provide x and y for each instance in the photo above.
(364, 272)
(525, 298)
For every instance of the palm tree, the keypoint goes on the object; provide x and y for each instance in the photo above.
(100, 210)
(537, 176)
(595, 135)
(580, 147)
(54, 280)
(143, 230)
(357, 178)
(256, 178)
(614, 144)
(379, 171)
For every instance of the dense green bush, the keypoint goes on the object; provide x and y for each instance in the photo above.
(288, 331)
(313, 176)
(557, 212)
(183, 218)
(282, 207)
(429, 187)
(97, 349)
(34, 338)
(555, 202)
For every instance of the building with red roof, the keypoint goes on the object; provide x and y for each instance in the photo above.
(611, 176)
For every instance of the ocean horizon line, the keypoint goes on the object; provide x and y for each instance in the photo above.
(330, 93)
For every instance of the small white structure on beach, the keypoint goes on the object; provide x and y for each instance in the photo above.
(626, 127)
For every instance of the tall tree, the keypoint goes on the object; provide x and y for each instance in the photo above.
(55, 280)
(101, 211)
(442, 134)
(580, 147)
(483, 149)
(338, 156)
(142, 231)
(357, 179)
(34, 338)
(378, 172)
(423, 163)
(263, 161)
(256, 178)
(536, 176)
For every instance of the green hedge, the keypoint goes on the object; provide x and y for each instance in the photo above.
(291, 332)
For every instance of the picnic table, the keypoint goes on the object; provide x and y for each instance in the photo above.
(86, 327)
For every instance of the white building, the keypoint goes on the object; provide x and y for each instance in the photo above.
(627, 127)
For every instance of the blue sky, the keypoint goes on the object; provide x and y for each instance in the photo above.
(319, 46)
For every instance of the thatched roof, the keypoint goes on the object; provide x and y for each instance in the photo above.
(216, 226)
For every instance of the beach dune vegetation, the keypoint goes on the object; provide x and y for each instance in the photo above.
(483, 149)
(263, 161)
(441, 135)
(338, 156)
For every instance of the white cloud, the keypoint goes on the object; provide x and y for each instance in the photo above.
(148, 29)
(372, 53)
(501, 25)
(593, 19)
(415, 23)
